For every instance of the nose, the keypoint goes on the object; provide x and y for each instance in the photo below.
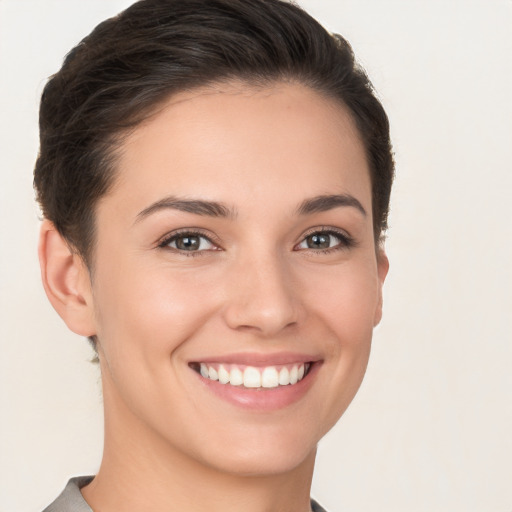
(261, 296)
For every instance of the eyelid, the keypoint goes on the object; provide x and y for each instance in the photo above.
(346, 240)
(168, 237)
(325, 229)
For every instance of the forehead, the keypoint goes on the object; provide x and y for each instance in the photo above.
(232, 141)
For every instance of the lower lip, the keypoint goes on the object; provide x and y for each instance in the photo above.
(262, 399)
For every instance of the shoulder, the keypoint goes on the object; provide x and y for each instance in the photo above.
(71, 499)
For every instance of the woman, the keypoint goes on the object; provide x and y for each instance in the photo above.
(215, 180)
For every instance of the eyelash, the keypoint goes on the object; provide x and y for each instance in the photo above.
(345, 241)
(164, 243)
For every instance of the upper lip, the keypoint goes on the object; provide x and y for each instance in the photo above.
(259, 359)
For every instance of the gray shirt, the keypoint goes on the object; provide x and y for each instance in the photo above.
(71, 499)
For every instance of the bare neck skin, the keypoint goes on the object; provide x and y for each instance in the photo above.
(137, 476)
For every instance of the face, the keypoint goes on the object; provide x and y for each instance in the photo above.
(236, 282)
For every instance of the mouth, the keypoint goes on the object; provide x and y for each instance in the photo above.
(253, 377)
(258, 382)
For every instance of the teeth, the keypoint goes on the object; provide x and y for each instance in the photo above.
(255, 377)
(252, 378)
(212, 373)
(236, 377)
(294, 375)
(270, 378)
(223, 375)
(284, 376)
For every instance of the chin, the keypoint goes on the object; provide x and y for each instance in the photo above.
(262, 453)
(264, 464)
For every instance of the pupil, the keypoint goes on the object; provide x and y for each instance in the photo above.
(318, 241)
(187, 243)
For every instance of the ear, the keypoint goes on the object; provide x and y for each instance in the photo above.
(66, 281)
(382, 272)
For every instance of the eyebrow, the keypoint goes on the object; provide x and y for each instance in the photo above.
(196, 206)
(215, 209)
(328, 202)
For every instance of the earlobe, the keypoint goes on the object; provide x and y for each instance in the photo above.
(66, 281)
(382, 272)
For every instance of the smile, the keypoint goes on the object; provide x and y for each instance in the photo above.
(253, 377)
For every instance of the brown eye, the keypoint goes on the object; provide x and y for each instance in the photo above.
(189, 242)
(319, 241)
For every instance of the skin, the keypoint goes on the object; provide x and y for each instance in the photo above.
(261, 153)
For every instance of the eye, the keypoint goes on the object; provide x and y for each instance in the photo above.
(188, 242)
(324, 240)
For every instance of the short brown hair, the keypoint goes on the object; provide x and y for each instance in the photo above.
(116, 76)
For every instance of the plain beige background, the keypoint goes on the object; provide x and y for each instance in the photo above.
(430, 429)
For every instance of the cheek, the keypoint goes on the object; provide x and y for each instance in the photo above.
(144, 318)
(346, 299)
(151, 310)
(344, 304)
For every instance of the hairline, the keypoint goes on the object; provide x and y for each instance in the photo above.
(116, 141)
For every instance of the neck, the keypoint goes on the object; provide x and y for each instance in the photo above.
(141, 471)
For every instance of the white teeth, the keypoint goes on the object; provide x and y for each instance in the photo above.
(236, 377)
(212, 373)
(284, 376)
(270, 377)
(223, 375)
(254, 377)
(294, 375)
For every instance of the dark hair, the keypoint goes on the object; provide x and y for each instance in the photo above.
(116, 77)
